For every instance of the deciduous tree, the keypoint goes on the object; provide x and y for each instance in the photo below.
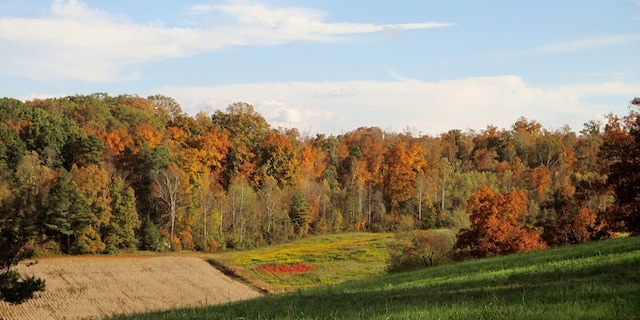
(621, 151)
(277, 158)
(171, 187)
(497, 226)
(242, 219)
(567, 221)
(402, 164)
(246, 129)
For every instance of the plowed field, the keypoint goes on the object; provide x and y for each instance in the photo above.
(89, 287)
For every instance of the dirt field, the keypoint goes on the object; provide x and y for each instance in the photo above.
(85, 287)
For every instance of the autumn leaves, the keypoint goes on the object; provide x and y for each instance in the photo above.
(84, 171)
(497, 226)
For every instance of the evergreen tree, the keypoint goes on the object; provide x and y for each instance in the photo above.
(15, 233)
(149, 235)
(300, 213)
(57, 218)
(121, 231)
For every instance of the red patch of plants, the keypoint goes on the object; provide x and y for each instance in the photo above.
(288, 268)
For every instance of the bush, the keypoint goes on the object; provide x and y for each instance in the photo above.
(405, 223)
(49, 247)
(420, 249)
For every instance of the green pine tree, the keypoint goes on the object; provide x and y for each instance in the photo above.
(300, 213)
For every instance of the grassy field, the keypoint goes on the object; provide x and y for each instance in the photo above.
(599, 280)
(321, 260)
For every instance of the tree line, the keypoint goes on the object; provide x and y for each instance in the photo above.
(90, 174)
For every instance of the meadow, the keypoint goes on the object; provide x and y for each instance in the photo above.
(313, 261)
(597, 280)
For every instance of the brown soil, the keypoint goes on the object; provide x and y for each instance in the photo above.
(89, 287)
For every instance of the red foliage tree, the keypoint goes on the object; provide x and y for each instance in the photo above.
(567, 221)
(621, 151)
(497, 226)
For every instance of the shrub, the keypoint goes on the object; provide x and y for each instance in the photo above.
(420, 249)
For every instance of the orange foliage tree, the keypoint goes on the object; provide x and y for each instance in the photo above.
(401, 167)
(118, 141)
(540, 180)
(313, 162)
(277, 158)
(497, 226)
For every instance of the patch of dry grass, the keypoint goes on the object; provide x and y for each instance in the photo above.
(81, 287)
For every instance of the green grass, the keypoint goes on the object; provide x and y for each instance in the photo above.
(599, 280)
(336, 258)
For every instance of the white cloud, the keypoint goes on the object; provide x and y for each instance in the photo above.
(79, 42)
(200, 9)
(588, 44)
(338, 93)
(430, 107)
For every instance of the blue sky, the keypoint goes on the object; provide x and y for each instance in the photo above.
(326, 66)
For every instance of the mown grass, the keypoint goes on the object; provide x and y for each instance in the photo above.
(334, 258)
(599, 280)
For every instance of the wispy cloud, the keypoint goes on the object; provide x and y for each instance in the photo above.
(78, 42)
(430, 107)
(200, 9)
(634, 2)
(588, 44)
(637, 4)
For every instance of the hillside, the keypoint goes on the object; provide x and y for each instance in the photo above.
(597, 280)
(82, 287)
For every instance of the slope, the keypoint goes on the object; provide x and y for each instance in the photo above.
(598, 280)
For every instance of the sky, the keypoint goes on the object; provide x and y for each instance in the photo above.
(332, 66)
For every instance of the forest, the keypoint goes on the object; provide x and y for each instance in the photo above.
(92, 174)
